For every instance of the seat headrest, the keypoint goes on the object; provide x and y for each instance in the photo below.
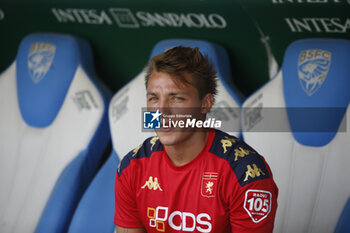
(316, 81)
(46, 65)
(216, 54)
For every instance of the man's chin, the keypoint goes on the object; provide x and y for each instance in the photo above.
(170, 137)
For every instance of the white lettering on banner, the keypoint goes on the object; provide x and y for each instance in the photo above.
(2, 14)
(125, 18)
(320, 25)
(87, 16)
(179, 20)
(188, 221)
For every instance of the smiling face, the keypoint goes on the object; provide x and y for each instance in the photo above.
(173, 97)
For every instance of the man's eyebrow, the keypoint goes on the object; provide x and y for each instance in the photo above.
(171, 93)
(178, 93)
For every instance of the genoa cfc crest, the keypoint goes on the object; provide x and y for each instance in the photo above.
(40, 58)
(313, 67)
(209, 184)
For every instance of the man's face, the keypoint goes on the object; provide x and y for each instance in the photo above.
(171, 100)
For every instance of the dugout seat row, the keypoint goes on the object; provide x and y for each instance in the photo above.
(299, 139)
(54, 130)
(299, 121)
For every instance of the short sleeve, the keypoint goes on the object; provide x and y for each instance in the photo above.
(253, 205)
(126, 214)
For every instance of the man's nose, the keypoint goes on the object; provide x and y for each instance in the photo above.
(164, 106)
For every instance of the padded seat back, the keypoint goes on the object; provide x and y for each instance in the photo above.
(298, 122)
(53, 132)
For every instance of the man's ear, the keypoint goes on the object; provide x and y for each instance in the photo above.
(207, 103)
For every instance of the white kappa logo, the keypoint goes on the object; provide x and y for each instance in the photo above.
(313, 67)
(40, 58)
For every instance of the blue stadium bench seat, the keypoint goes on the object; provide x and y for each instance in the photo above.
(96, 210)
(53, 132)
(299, 121)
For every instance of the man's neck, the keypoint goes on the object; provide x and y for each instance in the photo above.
(185, 152)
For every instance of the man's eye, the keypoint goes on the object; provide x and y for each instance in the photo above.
(152, 98)
(179, 98)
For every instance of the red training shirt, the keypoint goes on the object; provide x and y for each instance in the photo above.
(228, 187)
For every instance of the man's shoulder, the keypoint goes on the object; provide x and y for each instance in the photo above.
(225, 145)
(146, 149)
(247, 164)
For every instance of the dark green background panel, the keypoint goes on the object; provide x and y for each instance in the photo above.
(123, 32)
(122, 45)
